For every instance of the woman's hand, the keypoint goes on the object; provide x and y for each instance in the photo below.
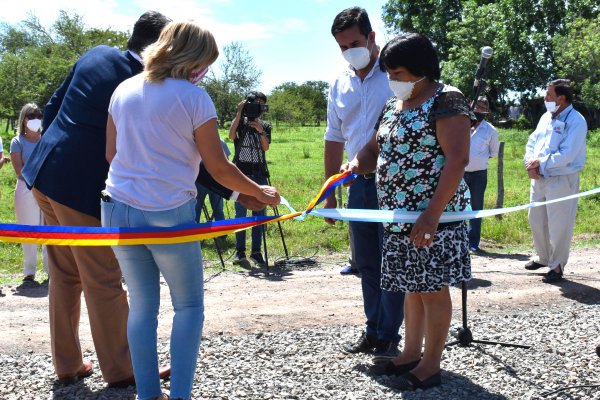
(257, 126)
(269, 195)
(424, 229)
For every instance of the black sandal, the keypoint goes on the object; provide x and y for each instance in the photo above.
(391, 369)
(410, 382)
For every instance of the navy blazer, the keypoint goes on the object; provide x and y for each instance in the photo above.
(69, 163)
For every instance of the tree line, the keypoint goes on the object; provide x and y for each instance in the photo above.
(34, 60)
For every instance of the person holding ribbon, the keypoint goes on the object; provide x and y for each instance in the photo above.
(554, 157)
(27, 210)
(160, 126)
(419, 154)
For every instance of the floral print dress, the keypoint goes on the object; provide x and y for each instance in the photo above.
(408, 170)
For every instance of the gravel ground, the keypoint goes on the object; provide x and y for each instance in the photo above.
(307, 364)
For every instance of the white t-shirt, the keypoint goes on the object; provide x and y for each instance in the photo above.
(157, 160)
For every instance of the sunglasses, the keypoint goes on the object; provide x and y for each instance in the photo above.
(33, 116)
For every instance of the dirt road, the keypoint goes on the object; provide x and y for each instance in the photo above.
(239, 303)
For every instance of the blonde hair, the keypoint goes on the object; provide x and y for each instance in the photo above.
(182, 47)
(27, 109)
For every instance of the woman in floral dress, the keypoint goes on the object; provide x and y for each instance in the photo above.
(420, 151)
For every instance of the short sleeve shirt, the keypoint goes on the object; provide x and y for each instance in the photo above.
(410, 157)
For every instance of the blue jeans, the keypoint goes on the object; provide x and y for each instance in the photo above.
(477, 182)
(257, 231)
(384, 309)
(181, 266)
(216, 203)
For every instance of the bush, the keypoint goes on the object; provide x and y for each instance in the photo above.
(522, 123)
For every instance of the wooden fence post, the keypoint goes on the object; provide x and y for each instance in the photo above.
(500, 196)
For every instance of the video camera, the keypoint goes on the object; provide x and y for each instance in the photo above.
(252, 110)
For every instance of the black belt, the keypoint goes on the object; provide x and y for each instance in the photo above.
(368, 176)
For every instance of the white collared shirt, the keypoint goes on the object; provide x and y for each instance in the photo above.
(354, 106)
(558, 143)
(484, 145)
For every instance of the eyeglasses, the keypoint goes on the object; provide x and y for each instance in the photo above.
(33, 116)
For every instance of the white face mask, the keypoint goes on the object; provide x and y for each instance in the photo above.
(551, 106)
(196, 76)
(358, 57)
(403, 90)
(34, 124)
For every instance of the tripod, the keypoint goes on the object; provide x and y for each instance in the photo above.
(216, 242)
(250, 158)
(465, 337)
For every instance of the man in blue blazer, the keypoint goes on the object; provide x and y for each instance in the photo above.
(67, 171)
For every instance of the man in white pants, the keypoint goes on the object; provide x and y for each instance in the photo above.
(555, 154)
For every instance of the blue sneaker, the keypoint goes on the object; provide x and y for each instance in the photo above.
(349, 270)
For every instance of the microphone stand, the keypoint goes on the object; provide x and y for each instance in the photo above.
(463, 335)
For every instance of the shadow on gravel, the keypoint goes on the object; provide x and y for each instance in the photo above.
(515, 256)
(478, 283)
(579, 292)
(80, 390)
(32, 289)
(271, 274)
(453, 386)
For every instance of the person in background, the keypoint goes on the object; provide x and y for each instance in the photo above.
(251, 139)
(554, 157)
(355, 101)
(3, 158)
(67, 171)
(27, 211)
(160, 126)
(484, 145)
(420, 152)
(216, 201)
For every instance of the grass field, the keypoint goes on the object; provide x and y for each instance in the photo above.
(295, 162)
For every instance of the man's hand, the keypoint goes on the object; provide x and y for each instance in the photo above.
(250, 202)
(4, 160)
(534, 173)
(351, 166)
(330, 202)
(532, 164)
(257, 126)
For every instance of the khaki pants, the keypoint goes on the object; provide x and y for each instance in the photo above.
(552, 225)
(95, 271)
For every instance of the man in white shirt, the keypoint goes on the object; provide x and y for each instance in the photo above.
(555, 154)
(484, 145)
(355, 101)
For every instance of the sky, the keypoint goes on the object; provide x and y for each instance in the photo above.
(289, 40)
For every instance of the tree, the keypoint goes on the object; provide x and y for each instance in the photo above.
(520, 31)
(35, 60)
(578, 58)
(303, 104)
(239, 75)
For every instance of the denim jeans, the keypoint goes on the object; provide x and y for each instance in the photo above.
(142, 265)
(477, 182)
(216, 203)
(257, 231)
(384, 309)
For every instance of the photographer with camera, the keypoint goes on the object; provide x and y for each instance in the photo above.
(251, 138)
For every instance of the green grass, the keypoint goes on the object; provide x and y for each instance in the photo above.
(295, 162)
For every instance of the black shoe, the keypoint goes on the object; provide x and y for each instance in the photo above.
(532, 266)
(366, 344)
(258, 259)
(552, 277)
(391, 369)
(410, 382)
(241, 260)
(385, 351)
